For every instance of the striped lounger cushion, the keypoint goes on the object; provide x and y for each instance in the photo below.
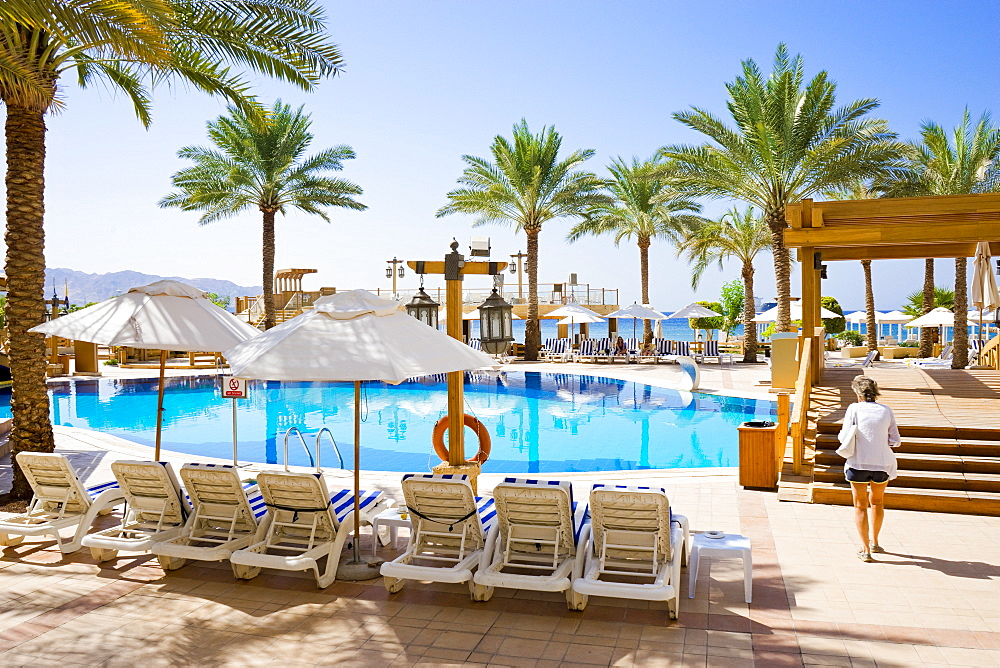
(95, 491)
(343, 501)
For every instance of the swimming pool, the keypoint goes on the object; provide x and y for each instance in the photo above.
(539, 422)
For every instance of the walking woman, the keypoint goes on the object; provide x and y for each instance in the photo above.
(873, 464)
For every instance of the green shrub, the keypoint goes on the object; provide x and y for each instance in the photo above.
(850, 336)
(833, 325)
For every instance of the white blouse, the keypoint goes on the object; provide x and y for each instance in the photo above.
(877, 431)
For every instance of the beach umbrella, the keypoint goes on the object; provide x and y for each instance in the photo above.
(355, 336)
(694, 310)
(573, 313)
(637, 312)
(165, 315)
(938, 317)
(985, 295)
(796, 313)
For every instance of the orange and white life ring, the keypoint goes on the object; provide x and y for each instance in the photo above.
(437, 438)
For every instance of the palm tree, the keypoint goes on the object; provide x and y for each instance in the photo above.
(959, 164)
(527, 185)
(126, 45)
(646, 207)
(260, 165)
(789, 143)
(738, 234)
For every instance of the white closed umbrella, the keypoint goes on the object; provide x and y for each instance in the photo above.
(985, 295)
(165, 315)
(355, 336)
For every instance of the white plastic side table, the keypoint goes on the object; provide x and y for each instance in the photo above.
(729, 546)
(388, 518)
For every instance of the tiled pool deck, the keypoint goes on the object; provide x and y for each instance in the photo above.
(932, 599)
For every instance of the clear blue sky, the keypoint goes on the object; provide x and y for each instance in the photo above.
(426, 82)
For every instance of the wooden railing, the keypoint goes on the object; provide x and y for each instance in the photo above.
(990, 354)
(800, 409)
(781, 435)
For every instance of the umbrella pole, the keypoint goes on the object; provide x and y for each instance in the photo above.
(159, 404)
(357, 471)
(354, 568)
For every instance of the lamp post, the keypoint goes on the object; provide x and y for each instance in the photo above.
(519, 270)
(454, 268)
(393, 272)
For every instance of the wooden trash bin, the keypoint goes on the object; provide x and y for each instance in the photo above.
(758, 465)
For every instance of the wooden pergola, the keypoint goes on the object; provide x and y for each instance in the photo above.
(883, 229)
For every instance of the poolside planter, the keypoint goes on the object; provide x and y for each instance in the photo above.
(758, 464)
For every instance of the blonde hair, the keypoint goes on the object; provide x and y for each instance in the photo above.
(865, 387)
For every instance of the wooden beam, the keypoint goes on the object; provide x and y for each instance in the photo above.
(839, 236)
(467, 268)
(910, 251)
(869, 209)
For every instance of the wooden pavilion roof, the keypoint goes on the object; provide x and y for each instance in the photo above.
(902, 228)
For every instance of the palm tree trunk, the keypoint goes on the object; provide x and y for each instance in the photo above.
(267, 252)
(782, 269)
(25, 268)
(872, 338)
(532, 333)
(749, 311)
(961, 354)
(647, 327)
(927, 333)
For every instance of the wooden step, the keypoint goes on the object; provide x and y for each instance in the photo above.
(930, 446)
(906, 460)
(931, 500)
(827, 426)
(951, 480)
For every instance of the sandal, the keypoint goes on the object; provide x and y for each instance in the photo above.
(865, 556)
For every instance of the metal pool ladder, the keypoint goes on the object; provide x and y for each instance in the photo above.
(312, 461)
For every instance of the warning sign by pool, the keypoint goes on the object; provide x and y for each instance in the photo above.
(234, 388)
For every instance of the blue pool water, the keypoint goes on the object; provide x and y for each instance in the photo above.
(539, 422)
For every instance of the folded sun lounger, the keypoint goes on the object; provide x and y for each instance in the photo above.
(60, 501)
(634, 548)
(303, 527)
(225, 516)
(449, 526)
(155, 510)
(534, 542)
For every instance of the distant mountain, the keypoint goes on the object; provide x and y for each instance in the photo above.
(85, 287)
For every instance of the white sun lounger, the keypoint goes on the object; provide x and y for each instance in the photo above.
(155, 510)
(449, 526)
(225, 516)
(60, 501)
(534, 542)
(634, 547)
(304, 526)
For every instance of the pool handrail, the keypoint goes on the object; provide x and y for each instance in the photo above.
(333, 441)
(302, 440)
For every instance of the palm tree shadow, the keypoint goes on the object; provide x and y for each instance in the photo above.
(963, 569)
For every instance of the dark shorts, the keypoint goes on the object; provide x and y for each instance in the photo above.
(863, 475)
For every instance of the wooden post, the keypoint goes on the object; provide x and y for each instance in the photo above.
(456, 396)
(159, 405)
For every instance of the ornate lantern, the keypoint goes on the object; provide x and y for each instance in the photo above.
(496, 328)
(423, 308)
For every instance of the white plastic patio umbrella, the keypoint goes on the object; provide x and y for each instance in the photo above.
(354, 336)
(985, 295)
(637, 312)
(938, 317)
(694, 310)
(165, 315)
